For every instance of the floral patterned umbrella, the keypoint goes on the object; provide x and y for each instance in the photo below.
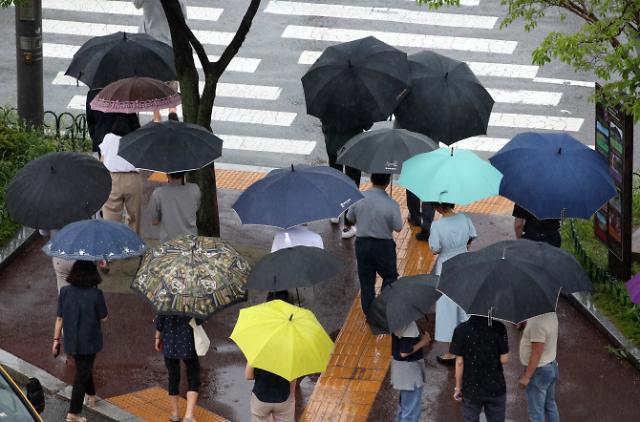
(192, 276)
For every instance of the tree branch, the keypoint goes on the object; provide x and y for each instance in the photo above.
(172, 8)
(234, 46)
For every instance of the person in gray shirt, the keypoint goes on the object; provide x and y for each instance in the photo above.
(377, 216)
(174, 207)
(154, 22)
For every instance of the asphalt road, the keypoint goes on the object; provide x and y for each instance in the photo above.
(265, 89)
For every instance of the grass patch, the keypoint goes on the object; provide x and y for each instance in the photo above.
(623, 317)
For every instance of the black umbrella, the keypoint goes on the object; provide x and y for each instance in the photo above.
(358, 82)
(384, 150)
(109, 58)
(170, 147)
(446, 101)
(402, 302)
(57, 189)
(290, 268)
(511, 280)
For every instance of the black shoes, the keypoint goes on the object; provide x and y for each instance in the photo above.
(414, 221)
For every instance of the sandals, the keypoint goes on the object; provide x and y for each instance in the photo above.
(76, 418)
(174, 419)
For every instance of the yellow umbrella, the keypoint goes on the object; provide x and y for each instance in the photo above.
(283, 339)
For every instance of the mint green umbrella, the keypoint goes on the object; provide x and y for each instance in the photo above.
(450, 175)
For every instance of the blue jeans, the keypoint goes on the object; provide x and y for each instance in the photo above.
(541, 394)
(494, 409)
(410, 405)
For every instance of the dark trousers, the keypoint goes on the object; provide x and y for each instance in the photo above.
(193, 374)
(420, 211)
(494, 409)
(82, 382)
(353, 173)
(553, 239)
(374, 256)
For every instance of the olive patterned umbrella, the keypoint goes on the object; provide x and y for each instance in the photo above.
(192, 276)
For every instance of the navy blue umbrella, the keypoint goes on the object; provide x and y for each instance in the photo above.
(300, 194)
(553, 175)
(93, 240)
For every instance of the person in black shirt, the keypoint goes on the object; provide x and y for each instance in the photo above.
(81, 309)
(271, 396)
(480, 346)
(527, 226)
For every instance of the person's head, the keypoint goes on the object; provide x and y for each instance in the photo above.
(381, 180)
(84, 274)
(177, 177)
(442, 207)
(125, 124)
(173, 116)
(279, 294)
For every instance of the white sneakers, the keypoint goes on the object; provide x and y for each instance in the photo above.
(348, 232)
(335, 220)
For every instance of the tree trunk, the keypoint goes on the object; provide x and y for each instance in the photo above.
(198, 108)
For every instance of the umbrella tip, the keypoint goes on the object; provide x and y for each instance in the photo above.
(559, 150)
(446, 75)
(53, 170)
(504, 254)
(349, 63)
(452, 151)
(292, 169)
(290, 317)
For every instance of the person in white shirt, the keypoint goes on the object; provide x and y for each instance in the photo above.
(296, 236)
(126, 181)
(538, 347)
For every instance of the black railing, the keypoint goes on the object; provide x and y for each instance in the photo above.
(69, 130)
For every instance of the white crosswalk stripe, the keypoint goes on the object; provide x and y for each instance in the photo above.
(124, 8)
(66, 51)
(501, 70)
(402, 39)
(256, 92)
(90, 29)
(224, 114)
(381, 14)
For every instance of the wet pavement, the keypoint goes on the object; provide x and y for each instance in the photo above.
(128, 361)
(594, 384)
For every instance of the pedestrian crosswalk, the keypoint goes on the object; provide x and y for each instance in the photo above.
(260, 105)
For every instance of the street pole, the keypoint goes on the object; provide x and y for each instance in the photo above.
(29, 61)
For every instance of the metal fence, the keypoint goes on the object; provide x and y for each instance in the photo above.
(70, 130)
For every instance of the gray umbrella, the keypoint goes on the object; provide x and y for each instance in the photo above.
(384, 150)
(402, 302)
(290, 268)
(513, 280)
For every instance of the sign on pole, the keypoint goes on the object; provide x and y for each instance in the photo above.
(612, 223)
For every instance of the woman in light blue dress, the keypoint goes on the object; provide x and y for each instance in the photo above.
(450, 236)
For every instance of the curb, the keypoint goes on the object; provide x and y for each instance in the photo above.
(582, 301)
(18, 242)
(21, 371)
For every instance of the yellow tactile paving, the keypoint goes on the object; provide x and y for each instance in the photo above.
(153, 404)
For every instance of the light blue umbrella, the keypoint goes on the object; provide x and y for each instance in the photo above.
(450, 175)
(93, 240)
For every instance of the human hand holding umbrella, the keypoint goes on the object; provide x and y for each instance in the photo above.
(57, 189)
(511, 280)
(94, 240)
(192, 276)
(301, 194)
(402, 302)
(283, 339)
(553, 175)
(450, 175)
(134, 95)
